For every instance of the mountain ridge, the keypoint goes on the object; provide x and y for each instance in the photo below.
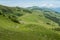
(18, 23)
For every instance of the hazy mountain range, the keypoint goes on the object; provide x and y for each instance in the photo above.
(57, 9)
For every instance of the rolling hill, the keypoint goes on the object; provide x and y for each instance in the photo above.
(31, 23)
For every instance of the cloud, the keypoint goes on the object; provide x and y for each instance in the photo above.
(47, 5)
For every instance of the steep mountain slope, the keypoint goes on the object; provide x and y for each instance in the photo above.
(27, 24)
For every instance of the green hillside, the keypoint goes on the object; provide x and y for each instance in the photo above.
(18, 23)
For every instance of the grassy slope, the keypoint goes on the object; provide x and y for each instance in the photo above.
(34, 27)
(12, 31)
(38, 18)
(8, 31)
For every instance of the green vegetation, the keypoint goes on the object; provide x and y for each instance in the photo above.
(31, 23)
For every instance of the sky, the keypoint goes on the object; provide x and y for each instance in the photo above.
(29, 3)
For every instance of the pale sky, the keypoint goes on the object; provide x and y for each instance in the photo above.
(29, 3)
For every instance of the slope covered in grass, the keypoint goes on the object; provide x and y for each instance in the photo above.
(24, 24)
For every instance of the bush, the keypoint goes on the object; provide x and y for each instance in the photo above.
(14, 19)
(27, 11)
(57, 29)
(18, 14)
(48, 23)
(0, 13)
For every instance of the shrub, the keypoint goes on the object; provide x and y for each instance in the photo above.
(0, 13)
(57, 29)
(18, 14)
(48, 23)
(14, 19)
(27, 11)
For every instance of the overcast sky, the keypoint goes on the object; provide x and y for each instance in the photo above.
(28, 3)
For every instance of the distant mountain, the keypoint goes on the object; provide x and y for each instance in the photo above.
(44, 8)
(56, 9)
